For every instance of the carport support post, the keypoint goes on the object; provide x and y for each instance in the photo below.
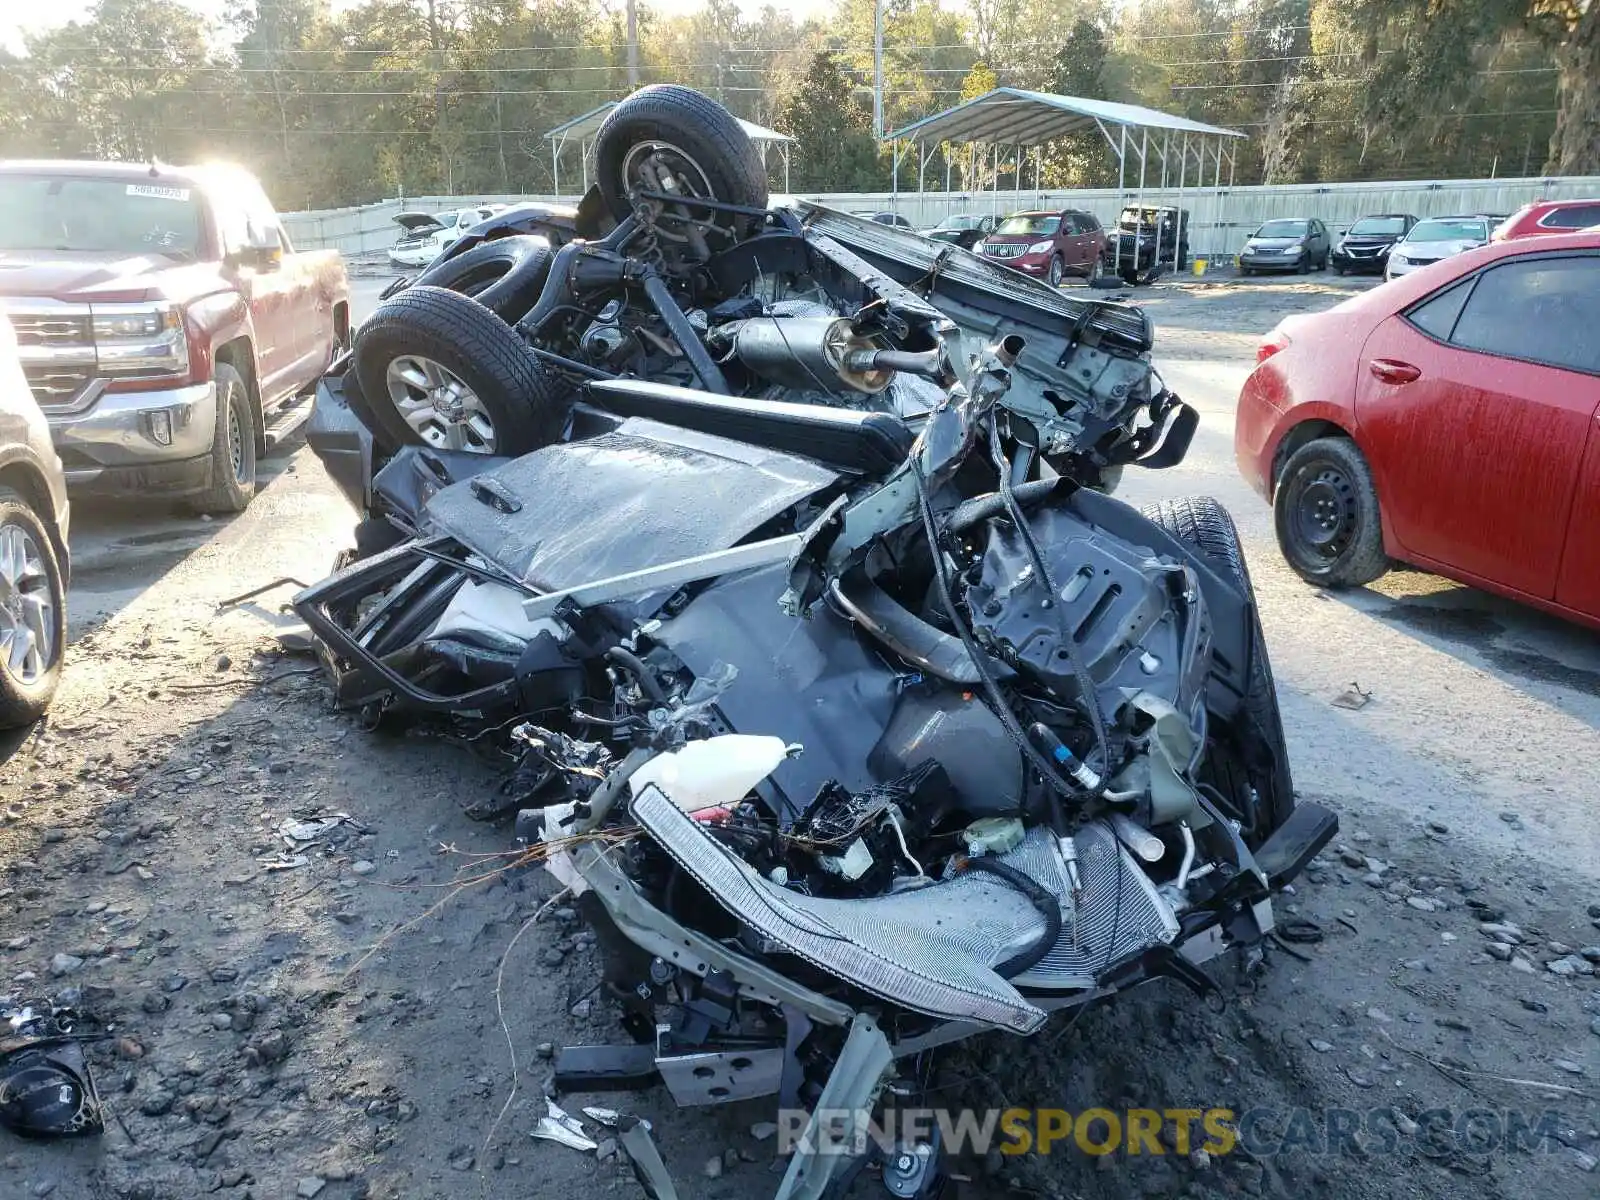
(1156, 261)
(1122, 171)
(1183, 167)
(1216, 198)
(1138, 226)
(555, 167)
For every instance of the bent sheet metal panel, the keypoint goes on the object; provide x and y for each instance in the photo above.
(808, 681)
(640, 496)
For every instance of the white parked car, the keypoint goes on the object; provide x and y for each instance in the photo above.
(425, 235)
(1433, 239)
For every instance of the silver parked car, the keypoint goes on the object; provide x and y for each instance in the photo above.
(33, 548)
(1433, 239)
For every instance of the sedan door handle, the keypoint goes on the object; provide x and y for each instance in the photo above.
(1392, 370)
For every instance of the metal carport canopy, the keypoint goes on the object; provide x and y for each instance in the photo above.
(1022, 120)
(1015, 117)
(581, 129)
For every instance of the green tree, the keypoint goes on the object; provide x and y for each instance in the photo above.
(834, 128)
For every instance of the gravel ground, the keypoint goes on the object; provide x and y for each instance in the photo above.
(340, 1028)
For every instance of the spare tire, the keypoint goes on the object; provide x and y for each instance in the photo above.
(439, 369)
(505, 275)
(676, 131)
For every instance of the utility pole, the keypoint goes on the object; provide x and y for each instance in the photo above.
(633, 44)
(877, 70)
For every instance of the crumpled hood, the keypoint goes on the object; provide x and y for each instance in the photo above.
(418, 222)
(82, 275)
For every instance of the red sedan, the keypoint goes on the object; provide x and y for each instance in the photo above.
(1449, 419)
(1545, 217)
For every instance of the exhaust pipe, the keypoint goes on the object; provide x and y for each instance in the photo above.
(812, 353)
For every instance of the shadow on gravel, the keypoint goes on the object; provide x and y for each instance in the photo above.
(121, 549)
(1508, 638)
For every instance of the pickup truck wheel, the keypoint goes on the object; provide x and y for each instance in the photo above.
(505, 275)
(233, 448)
(671, 138)
(1251, 760)
(1325, 511)
(439, 369)
(32, 613)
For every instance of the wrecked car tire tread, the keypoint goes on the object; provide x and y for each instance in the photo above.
(694, 122)
(524, 263)
(527, 405)
(1202, 522)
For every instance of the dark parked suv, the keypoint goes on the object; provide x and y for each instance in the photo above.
(1366, 246)
(1148, 237)
(1049, 244)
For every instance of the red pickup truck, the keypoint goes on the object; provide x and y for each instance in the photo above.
(167, 327)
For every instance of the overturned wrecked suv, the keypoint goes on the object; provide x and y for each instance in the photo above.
(859, 715)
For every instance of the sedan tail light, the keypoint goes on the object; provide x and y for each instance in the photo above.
(1275, 341)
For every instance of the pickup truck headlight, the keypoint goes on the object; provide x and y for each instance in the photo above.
(1039, 248)
(139, 339)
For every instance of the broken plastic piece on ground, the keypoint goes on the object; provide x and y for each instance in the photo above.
(297, 833)
(604, 1116)
(1352, 698)
(46, 1091)
(552, 1130)
(636, 1142)
(284, 862)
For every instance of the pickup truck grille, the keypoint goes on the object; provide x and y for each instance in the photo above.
(56, 386)
(39, 330)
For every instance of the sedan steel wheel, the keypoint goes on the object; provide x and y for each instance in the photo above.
(27, 607)
(439, 406)
(1326, 513)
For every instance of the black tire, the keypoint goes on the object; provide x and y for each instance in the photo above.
(1302, 264)
(1338, 269)
(505, 275)
(1246, 272)
(233, 447)
(26, 690)
(695, 125)
(1325, 511)
(1057, 271)
(526, 405)
(1257, 756)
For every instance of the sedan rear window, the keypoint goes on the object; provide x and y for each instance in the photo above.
(1024, 224)
(1579, 216)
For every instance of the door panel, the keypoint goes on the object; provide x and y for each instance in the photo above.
(1579, 585)
(1476, 458)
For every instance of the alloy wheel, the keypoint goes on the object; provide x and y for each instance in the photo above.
(27, 607)
(439, 406)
